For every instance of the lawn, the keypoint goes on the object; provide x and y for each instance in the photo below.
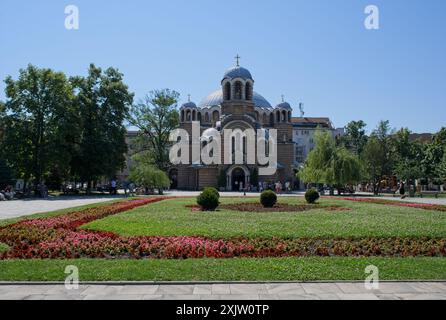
(173, 218)
(236, 269)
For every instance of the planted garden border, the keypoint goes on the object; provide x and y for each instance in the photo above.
(59, 238)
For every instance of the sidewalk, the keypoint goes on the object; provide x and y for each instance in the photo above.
(18, 208)
(229, 291)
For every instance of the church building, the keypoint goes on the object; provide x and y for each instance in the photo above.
(235, 105)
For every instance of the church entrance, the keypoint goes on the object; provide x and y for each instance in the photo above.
(238, 179)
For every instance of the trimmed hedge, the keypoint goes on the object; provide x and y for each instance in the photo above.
(311, 195)
(268, 198)
(208, 200)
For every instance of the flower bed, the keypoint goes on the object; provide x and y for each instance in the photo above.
(59, 238)
(425, 206)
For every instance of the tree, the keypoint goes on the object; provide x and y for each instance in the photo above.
(433, 155)
(442, 169)
(103, 103)
(355, 137)
(408, 155)
(37, 121)
(6, 174)
(156, 116)
(328, 164)
(149, 177)
(377, 156)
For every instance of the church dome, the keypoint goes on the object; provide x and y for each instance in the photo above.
(284, 105)
(216, 98)
(189, 105)
(238, 72)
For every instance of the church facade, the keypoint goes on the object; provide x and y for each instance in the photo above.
(235, 105)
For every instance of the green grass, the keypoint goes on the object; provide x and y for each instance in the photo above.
(249, 269)
(3, 247)
(172, 218)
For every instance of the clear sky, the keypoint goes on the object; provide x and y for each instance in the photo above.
(317, 52)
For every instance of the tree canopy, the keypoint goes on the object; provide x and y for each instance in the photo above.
(156, 116)
(329, 164)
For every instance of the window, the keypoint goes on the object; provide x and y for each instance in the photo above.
(238, 90)
(227, 91)
(300, 154)
(215, 116)
(248, 90)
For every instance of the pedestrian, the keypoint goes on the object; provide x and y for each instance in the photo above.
(113, 187)
(402, 190)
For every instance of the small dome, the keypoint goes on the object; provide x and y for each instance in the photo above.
(284, 105)
(189, 105)
(238, 72)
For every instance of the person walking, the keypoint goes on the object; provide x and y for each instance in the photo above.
(402, 190)
(113, 187)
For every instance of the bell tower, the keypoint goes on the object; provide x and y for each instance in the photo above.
(238, 91)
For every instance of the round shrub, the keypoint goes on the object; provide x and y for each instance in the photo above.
(208, 199)
(213, 190)
(311, 195)
(268, 198)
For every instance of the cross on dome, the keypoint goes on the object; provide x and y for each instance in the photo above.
(237, 59)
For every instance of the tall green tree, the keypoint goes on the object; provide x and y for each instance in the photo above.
(433, 155)
(377, 155)
(103, 101)
(328, 164)
(355, 136)
(37, 121)
(156, 116)
(407, 155)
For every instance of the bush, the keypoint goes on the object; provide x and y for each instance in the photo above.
(208, 199)
(268, 198)
(213, 190)
(311, 195)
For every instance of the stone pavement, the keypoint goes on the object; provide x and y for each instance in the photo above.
(228, 291)
(18, 208)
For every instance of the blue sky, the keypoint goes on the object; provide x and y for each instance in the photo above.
(316, 52)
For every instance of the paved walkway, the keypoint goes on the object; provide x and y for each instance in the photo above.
(18, 208)
(233, 291)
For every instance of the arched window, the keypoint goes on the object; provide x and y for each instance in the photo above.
(278, 116)
(289, 116)
(206, 117)
(215, 116)
(257, 116)
(248, 91)
(199, 116)
(238, 91)
(271, 119)
(182, 115)
(227, 91)
(188, 115)
(264, 118)
(284, 116)
(194, 115)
